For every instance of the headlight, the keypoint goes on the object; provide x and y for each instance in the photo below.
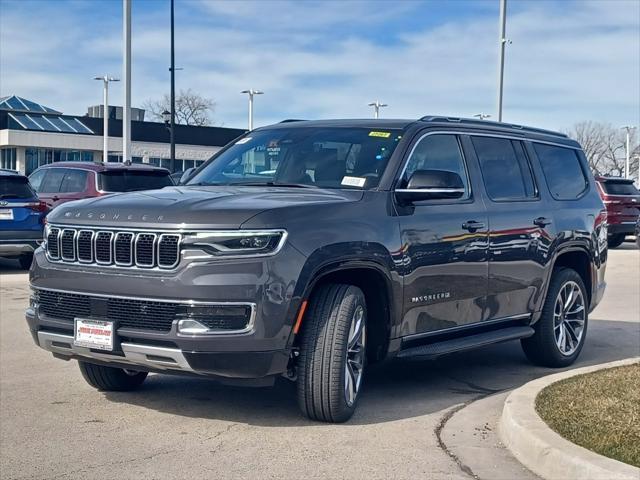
(233, 243)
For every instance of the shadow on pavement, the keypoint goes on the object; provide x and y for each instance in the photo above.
(392, 391)
(11, 267)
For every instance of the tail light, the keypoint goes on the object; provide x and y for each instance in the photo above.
(39, 206)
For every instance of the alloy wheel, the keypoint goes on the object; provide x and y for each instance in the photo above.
(354, 364)
(569, 318)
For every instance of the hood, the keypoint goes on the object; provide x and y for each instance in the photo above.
(191, 207)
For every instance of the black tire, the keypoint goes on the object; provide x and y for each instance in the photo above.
(541, 348)
(111, 379)
(25, 260)
(614, 241)
(322, 379)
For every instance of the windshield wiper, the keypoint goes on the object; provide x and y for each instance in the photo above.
(272, 184)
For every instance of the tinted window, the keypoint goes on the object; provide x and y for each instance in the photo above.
(74, 181)
(437, 152)
(620, 188)
(52, 181)
(15, 187)
(316, 156)
(35, 179)
(505, 169)
(131, 180)
(562, 170)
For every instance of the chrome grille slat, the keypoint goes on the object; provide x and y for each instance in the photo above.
(92, 246)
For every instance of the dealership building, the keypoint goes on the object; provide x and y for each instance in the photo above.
(32, 135)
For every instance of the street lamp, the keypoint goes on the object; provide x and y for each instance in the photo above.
(502, 41)
(627, 163)
(166, 117)
(482, 116)
(376, 108)
(105, 115)
(251, 93)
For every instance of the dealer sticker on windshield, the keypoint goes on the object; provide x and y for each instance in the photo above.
(380, 134)
(243, 140)
(353, 181)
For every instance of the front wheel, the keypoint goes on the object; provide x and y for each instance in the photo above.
(561, 331)
(332, 353)
(111, 379)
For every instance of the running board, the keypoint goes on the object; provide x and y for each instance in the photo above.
(465, 343)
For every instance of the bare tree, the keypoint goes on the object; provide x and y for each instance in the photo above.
(603, 145)
(191, 108)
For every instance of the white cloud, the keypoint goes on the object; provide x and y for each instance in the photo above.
(565, 64)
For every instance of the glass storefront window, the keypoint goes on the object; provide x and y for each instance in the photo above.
(36, 157)
(8, 158)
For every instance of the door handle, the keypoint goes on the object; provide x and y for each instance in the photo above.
(472, 225)
(542, 222)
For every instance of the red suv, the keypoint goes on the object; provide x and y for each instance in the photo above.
(622, 200)
(61, 182)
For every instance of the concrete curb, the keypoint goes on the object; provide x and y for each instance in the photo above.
(542, 450)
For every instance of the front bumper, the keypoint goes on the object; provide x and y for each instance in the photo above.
(259, 352)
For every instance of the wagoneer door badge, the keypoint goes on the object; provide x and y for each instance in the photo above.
(432, 297)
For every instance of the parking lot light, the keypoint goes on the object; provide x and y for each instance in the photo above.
(105, 114)
(376, 108)
(251, 92)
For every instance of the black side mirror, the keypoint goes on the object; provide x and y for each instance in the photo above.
(431, 185)
(186, 175)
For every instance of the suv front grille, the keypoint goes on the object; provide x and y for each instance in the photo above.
(104, 247)
(140, 314)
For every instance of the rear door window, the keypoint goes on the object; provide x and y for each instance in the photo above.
(35, 179)
(52, 181)
(129, 181)
(505, 169)
(15, 187)
(561, 166)
(74, 181)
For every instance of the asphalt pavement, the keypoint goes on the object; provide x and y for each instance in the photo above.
(416, 419)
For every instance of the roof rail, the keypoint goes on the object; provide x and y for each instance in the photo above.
(288, 120)
(485, 123)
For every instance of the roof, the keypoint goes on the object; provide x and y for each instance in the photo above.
(9, 173)
(104, 166)
(19, 104)
(435, 120)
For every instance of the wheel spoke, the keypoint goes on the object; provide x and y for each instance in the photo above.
(572, 332)
(354, 361)
(350, 390)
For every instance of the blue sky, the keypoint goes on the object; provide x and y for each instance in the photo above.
(569, 60)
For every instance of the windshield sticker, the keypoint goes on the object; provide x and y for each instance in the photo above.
(354, 181)
(243, 140)
(380, 134)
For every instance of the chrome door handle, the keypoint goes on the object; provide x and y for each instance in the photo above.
(472, 225)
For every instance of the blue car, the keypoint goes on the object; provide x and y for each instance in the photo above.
(22, 218)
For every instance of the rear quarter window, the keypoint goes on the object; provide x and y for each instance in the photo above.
(563, 171)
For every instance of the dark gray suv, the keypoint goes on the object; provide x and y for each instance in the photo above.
(310, 249)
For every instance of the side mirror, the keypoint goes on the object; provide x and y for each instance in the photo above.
(431, 185)
(186, 175)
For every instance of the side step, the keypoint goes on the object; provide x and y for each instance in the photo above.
(465, 343)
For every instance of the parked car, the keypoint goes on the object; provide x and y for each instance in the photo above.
(22, 217)
(366, 240)
(61, 182)
(622, 200)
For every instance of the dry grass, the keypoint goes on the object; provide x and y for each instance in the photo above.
(599, 411)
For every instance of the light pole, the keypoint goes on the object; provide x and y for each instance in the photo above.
(251, 93)
(126, 68)
(502, 42)
(376, 108)
(105, 115)
(627, 163)
(482, 116)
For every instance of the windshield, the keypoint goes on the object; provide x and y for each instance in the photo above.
(129, 181)
(304, 157)
(15, 187)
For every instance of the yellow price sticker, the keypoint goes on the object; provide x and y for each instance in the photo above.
(380, 134)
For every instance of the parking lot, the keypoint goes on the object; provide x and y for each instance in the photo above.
(53, 425)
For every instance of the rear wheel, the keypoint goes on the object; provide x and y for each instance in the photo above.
(111, 379)
(332, 353)
(25, 260)
(561, 331)
(614, 241)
